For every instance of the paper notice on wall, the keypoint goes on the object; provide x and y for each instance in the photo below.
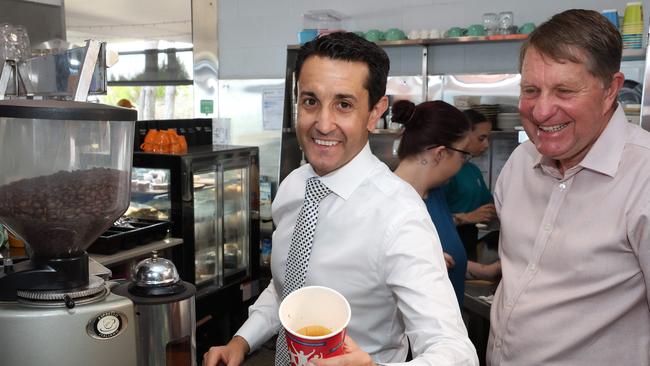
(272, 107)
(221, 131)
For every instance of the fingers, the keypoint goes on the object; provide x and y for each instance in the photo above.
(449, 260)
(350, 344)
(212, 357)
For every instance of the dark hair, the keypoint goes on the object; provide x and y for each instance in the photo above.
(580, 36)
(347, 46)
(427, 124)
(475, 117)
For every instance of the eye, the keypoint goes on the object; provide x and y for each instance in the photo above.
(529, 91)
(309, 102)
(345, 105)
(565, 91)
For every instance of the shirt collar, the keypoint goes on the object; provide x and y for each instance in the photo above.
(347, 178)
(604, 156)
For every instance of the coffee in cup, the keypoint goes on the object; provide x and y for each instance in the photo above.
(315, 319)
(314, 331)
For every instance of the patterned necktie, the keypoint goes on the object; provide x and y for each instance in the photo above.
(299, 252)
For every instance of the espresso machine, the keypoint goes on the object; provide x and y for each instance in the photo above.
(65, 172)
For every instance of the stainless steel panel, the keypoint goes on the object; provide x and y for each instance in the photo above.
(405, 87)
(63, 74)
(162, 324)
(59, 335)
(206, 55)
(434, 85)
(492, 88)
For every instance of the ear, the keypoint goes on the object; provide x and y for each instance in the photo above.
(376, 112)
(436, 154)
(611, 93)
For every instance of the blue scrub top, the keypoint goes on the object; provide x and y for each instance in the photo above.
(451, 243)
(466, 191)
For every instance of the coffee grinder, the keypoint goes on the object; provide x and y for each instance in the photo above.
(65, 173)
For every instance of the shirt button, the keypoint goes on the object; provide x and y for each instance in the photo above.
(498, 343)
(532, 267)
(547, 227)
(509, 303)
(562, 186)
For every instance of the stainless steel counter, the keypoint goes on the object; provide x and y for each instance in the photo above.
(472, 302)
(477, 312)
(126, 255)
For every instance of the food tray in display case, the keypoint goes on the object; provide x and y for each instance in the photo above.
(123, 237)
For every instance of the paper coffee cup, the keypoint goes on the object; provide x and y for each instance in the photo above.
(315, 307)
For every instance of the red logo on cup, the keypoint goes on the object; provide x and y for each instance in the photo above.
(314, 319)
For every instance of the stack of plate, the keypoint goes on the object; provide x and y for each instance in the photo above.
(490, 111)
(508, 121)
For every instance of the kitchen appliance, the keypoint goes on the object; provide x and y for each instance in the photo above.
(164, 308)
(211, 196)
(65, 172)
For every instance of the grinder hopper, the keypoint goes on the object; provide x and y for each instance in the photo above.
(65, 172)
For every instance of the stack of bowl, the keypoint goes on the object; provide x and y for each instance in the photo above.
(508, 121)
(632, 30)
(488, 110)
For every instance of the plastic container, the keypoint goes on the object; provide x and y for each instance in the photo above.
(322, 19)
(65, 172)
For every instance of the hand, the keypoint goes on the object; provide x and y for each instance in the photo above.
(231, 354)
(449, 261)
(484, 213)
(352, 356)
(481, 271)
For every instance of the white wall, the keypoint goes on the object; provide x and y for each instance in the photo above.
(254, 34)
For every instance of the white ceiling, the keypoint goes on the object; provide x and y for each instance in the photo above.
(118, 21)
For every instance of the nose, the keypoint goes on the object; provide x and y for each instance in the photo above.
(543, 107)
(485, 145)
(326, 122)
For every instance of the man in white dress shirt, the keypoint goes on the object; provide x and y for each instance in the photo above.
(374, 241)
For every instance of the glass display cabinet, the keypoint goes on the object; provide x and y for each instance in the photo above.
(211, 196)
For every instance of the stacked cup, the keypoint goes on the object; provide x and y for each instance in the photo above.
(14, 43)
(632, 30)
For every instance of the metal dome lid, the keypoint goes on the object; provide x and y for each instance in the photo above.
(155, 272)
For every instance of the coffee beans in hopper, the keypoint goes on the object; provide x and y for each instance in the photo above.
(60, 215)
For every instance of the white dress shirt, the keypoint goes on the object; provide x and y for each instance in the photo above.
(575, 256)
(375, 244)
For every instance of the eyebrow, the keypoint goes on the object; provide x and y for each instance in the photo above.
(345, 96)
(336, 96)
(308, 94)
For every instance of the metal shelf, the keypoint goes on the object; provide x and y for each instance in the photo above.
(444, 41)
(633, 54)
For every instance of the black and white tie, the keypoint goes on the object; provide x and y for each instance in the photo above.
(299, 252)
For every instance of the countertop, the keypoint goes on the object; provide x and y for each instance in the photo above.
(126, 255)
(108, 260)
(472, 302)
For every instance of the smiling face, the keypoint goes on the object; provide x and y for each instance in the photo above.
(333, 114)
(564, 108)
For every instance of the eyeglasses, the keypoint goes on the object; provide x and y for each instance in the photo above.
(467, 156)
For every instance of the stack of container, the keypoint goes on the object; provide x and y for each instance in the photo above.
(632, 30)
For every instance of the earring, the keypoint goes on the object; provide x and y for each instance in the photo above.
(424, 162)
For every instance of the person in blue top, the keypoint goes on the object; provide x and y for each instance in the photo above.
(432, 149)
(467, 195)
